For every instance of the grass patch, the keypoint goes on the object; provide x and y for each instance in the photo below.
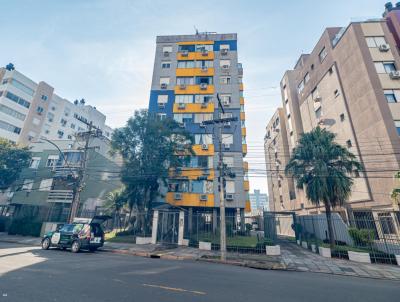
(113, 237)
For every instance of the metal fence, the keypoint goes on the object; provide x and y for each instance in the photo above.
(378, 235)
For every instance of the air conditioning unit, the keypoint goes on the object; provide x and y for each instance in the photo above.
(227, 124)
(203, 197)
(224, 52)
(204, 147)
(163, 86)
(161, 105)
(394, 75)
(203, 86)
(204, 105)
(181, 106)
(182, 86)
(227, 146)
(204, 69)
(384, 47)
(184, 53)
(318, 99)
(166, 54)
(226, 102)
(204, 53)
(229, 197)
(225, 67)
(178, 196)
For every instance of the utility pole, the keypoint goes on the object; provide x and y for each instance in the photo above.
(221, 179)
(79, 184)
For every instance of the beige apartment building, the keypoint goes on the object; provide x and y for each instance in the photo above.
(350, 85)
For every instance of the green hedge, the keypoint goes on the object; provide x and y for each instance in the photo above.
(362, 237)
(25, 227)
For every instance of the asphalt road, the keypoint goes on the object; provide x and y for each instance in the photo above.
(31, 274)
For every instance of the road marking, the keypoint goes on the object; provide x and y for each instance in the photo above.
(175, 289)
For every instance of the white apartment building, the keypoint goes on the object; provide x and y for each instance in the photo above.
(30, 110)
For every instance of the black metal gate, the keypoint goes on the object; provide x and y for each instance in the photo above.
(279, 226)
(168, 227)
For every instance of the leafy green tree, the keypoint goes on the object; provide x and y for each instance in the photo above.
(115, 202)
(324, 169)
(12, 160)
(396, 191)
(149, 147)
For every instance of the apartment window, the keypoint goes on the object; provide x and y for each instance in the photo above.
(39, 110)
(375, 41)
(162, 99)
(342, 117)
(226, 115)
(300, 87)
(397, 124)
(225, 80)
(185, 64)
(52, 161)
(226, 99)
(183, 118)
(36, 121)
(72, 126)
(17, 99)
(44, 97)
(201, 117)
(306, 78)
(60, 133)
(349, 144)
(385, 67)
(50, 117)
(167, 49)
(164, 80)
(204, 80)
(204, 64)
(322, 55)
(28, 184)
(230, 187)
(318, 113)
(228, 161)
(8, 127)
(161, 116)
(227, 139)
(35, 161)
(202, 98)
(207, 47)
(11, 112)
(185, 81)
(166, 64)
(336, 93)
(69, 136)
(63, 122)
(392, 96)
(225, 63)
(22, 87)
(184, 98)
(387, 224)
(203, 139)
(45, 184)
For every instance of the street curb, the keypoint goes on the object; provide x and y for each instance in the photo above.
(19, 242)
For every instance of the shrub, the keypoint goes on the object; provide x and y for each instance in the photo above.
(362, 237)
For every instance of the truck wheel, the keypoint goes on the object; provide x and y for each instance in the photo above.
(46, 243)
(75, 247)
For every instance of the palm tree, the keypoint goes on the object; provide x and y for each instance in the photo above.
(323, 168)
(115, 200)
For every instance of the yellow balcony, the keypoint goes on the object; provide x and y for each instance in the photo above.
(244, 149)
(194, 89)
(244, 131)
(245, 166)
(241, 100)
(200, 150)
(194, 72)
(200, 108)
(242, 116)
(190, 200)
(190, 56)
(247, 207)
(192, 173)
(241, 86)
(246, 185)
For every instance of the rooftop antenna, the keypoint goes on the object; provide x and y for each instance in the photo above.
(197, 31)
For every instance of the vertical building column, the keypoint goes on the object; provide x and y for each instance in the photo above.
(154, 229)
(181, 227)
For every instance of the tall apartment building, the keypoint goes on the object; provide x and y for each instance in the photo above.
(350, 85)
(30, 110)
(258, 202)
(189, 72)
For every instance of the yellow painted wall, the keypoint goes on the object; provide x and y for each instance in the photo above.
(244, 131)
(242, 116)
(244, 148)
(247, 208)
(190, 200)
(245, 166)
(192, 72)
(194, 108)
(194, 89)
(199, 151)
(195, 56)
(241, 100)
(193, 173)
(246, 185)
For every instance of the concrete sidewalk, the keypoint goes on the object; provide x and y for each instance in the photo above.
(293, 258)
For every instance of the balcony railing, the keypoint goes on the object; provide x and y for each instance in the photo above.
(64, 170)
(65, 196)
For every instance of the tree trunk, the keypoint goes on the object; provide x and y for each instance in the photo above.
(330, 228)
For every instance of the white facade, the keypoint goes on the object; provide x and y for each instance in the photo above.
(29, 111)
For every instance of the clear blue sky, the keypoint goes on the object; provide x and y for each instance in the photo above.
(103, 50)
